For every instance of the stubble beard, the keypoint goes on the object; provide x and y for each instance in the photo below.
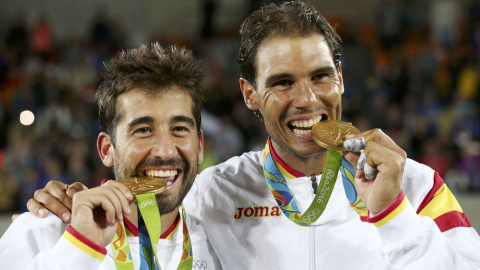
(166, 202)
(289, 149)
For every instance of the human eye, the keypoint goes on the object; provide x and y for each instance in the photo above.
(143, 131)
(181, 130)
(320, 76)
(282, 84)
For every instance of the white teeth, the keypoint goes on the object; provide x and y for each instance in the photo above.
(308, 123)
(169, 183)
(161, 173)
(301, 131)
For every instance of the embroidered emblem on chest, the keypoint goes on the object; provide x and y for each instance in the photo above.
(257, 211)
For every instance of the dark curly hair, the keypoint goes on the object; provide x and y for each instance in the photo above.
(290, 19)
(153, 68)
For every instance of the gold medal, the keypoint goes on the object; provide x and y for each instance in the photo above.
(144, 184)
(330, 134)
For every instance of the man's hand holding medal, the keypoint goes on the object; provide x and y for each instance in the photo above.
(378, 160)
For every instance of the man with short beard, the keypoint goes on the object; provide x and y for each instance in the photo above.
(149, 107)
(296, 205)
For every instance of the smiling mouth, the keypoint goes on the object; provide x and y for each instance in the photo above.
(170, 176)
(304, 127)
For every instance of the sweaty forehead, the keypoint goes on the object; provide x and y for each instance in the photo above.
(282, 54)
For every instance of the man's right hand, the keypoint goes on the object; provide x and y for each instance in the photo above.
(56, 197)
(97, 211)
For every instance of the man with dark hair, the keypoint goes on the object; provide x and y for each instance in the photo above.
(149, 106)
(288, 207)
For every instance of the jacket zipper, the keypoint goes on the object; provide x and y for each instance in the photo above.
(313, 178)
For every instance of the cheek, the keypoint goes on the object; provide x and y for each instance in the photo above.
(188, 148)
(332, 93)
(134, 152)
(334, 88)
(274, 101)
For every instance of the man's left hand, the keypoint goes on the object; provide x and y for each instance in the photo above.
(379, 168)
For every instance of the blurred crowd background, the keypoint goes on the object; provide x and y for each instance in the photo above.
(413, 70)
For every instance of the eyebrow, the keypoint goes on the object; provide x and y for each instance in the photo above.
(139, 121)
(184, 119)
(276, 77)
(328, 70)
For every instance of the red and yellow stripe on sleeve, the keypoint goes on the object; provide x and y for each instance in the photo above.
(389, 213)
(441, 206)
(84, 243)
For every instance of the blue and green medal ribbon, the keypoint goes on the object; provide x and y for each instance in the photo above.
(149, 231)
(284, 197)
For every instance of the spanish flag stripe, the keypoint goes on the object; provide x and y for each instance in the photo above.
(131, 229)
(437, 183)
(285, 169)
(443, 202)
(452, 220)
(442, 207)
(390, 212)
(171, 231)
(84, 243)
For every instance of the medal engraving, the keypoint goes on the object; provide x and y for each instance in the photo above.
(330, 134)
(144, 184)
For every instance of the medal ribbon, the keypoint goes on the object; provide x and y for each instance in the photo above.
(149, 230)
(348, 176)
(148, 217)
(284, 197)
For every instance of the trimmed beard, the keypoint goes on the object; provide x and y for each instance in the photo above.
(165, 204)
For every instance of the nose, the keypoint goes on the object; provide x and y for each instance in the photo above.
(304, 96)
(164, 146)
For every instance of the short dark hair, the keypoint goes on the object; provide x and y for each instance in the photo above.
(290, 19)
(153, 68)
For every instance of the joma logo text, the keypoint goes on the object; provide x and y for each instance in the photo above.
(257, 211)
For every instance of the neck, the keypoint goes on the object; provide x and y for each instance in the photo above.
(166, 221)
(308, 165)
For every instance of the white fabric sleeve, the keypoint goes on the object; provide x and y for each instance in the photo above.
(35, 243)
(414, 242)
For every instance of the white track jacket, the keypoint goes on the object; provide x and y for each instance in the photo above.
(36, 243)
(247, 230)
(235, 223)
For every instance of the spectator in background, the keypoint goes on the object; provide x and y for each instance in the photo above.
(42, 37)
(209, 9)
(389, 23)
(8, 187)
(445, 16)
(17, 39)
(101, 36)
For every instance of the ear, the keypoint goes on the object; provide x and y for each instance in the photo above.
(340, 76)
(105, 149)
(200, 147)
(249, 94)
